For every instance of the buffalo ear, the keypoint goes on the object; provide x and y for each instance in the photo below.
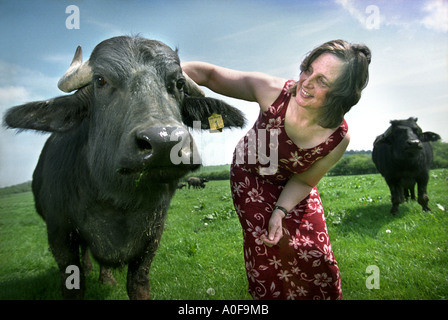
(55, 115)
(383, 138)
(430, 136)
(201, 108)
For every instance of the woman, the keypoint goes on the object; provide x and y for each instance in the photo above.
(287, 250)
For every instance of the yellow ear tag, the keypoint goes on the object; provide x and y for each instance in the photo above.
(216, 123)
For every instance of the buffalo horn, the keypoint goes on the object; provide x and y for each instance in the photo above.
(77, 75)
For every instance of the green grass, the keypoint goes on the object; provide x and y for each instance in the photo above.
(201, 256)
(410, 248)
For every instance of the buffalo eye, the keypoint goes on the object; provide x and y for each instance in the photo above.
(180, 84)
(99, 81)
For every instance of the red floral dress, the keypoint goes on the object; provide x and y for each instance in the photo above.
(302, 264)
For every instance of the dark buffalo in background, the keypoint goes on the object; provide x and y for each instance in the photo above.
(196, 182)
(106, 175)
(403, 155)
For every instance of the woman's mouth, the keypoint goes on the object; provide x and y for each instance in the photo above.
(305, 94)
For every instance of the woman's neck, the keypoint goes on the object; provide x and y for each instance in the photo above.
(301, 125)
(305, 118)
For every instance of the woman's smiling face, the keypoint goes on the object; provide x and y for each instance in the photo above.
(315, 82)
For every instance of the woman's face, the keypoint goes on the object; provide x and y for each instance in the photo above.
(315, 82)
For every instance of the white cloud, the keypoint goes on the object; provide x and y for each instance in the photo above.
(349, 6)
(109, 29)
(405, 16)
(368, 14)
(37, 84)
(63, 59)
(10, 95)
(437, 17)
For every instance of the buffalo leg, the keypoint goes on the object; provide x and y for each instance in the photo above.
(138, 281)
(65, 249)
(138, 286)
(138, 273)
(412, 190)
(408, 188)
(422, 197)
(106, 276)
(406, 194)
(396, 196)
(86, 262)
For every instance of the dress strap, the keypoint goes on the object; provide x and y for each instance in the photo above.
(337, 136)
(282, 99)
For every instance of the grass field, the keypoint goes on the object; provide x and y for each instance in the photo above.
(201, 257)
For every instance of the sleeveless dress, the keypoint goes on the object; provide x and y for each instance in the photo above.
(302, 264)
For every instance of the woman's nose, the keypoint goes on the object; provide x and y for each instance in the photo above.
(307, 82)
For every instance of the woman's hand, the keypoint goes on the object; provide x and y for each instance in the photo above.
(298, 188)
(275, 229)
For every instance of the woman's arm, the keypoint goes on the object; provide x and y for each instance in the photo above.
(250, 86)
(299, 187)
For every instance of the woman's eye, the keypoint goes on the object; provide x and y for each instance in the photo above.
(323, 82)
(100, 81)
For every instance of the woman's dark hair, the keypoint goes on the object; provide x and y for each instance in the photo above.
(346, 90)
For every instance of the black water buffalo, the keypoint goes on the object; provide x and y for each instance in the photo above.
(196, 182)
(118, 148)
(403, 155)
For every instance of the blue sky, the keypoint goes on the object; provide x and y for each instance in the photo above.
(408, 39)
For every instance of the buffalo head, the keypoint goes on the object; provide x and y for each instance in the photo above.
(405, 137)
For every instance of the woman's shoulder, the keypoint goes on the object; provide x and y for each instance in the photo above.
(271, 89)
(339, 140)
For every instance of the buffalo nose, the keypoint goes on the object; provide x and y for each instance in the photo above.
(155, 144)
(414, 143)
(144, 143)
